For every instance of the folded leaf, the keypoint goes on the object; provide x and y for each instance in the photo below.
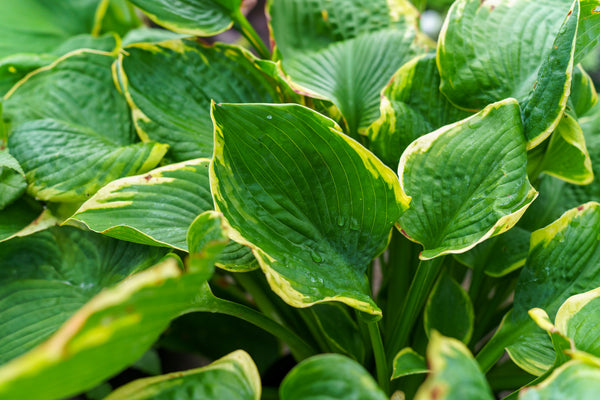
(233, 377)
(524, 49)
(24, 216)
(315, 206)
(150, 74)
(344, 51)
(329, 377)
(574, 380)
(467, 181)
(194, 17)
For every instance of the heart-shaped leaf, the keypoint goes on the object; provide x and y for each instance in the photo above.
(343, 51)
(315, 206)
(150, 74)
(194, 17)
(329, 377)
(71, 131)
(468, 181)
(524, 49)
(233, 377)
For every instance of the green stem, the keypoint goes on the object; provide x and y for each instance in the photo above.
(427, 273)
(494, 349)
(381, 367)
(250, 34)
(299, 348)
(264, 304)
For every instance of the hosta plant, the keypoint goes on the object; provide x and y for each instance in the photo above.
(355, 211)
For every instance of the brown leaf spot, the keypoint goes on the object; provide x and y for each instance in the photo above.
(579, 208)
(148, 177)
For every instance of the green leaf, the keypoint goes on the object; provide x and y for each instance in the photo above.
(583, 92)
(156, 208)
(329, 377)
(340, 330)
(524, 49)
(208, 228)
(150, 74)
(454, 373)
(39, 26)
(571, 245)
(117, 16)
(232, 377)
(411, 106)
(149, 35)
(24, 217)
(47, 276)
(314, 205)
(567, 157)
(408, 362)
(467, 181)
(449, 310)
(344, 51)
(71, 130)
(194, 17)
(574, 380)
(588, 33)
(499, 255)
(12, 179)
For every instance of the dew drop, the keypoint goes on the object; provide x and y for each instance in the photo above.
(354, 225)
(341, 220)
(269, 117)
(315, 256)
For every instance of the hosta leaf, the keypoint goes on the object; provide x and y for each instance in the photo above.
(150, 74)
(47, 276)
(232, 377)
(583, 93)
(574, 380)
(149, 35)
(449, 310)
(563, 261)
(12, 179)
(71, 131)
(156, 208)
(467, 180)
(588, 33)
(524, 49)
(408, 362)
(454, 373)
(38, 26)
(23, 217)
(194, 17)
(111, 330)
(567, 157)
(315, 206)
(329, 377)
(69, 163)
(343, 51)
(411, 106)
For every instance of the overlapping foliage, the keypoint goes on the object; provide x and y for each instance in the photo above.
(389, 212)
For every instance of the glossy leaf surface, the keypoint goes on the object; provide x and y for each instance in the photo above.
(467, 181)
(517, 56)
(232, 377)
(150, 74)
(194, 17)
(315, 206)
(454, 373)
(343, 51)
(329, 377)
(71, 131)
